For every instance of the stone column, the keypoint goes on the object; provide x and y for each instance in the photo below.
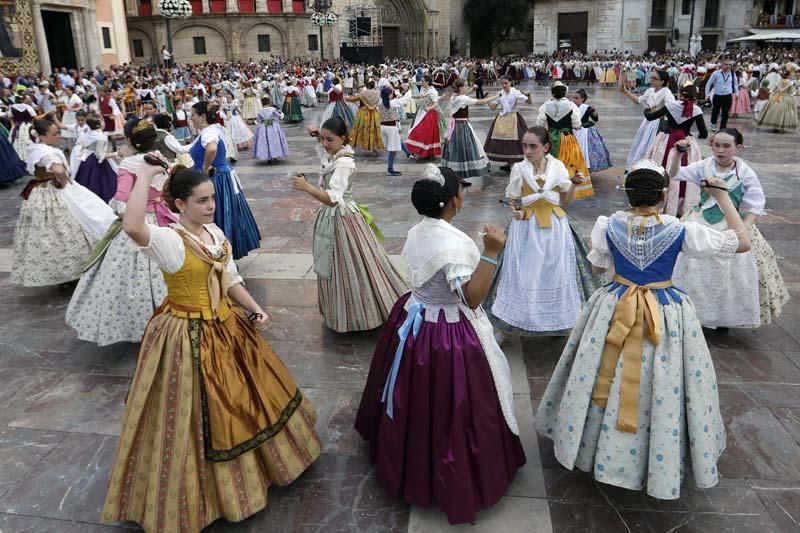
(232, 6)
(206, 6)
(41, 39)
(261, 6)
(92, 38)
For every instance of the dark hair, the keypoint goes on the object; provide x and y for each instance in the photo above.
(181, 184)
(142, 140)
(645, 187)
(427, 77)
(94, 122)
(738, 138)
(541, 134)
(265, 101)
(458, 84)
(663, 75)
(582, 94)
(163, 121)
(558, 91)
(689, 92)
(207, 109)
(370, 84)
(81, 114)
(41, 126)
(508, 79)
(426, 195)
(337, 126)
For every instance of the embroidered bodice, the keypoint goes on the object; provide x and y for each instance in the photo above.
(645, 258)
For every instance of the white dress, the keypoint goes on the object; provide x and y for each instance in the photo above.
(537, 289)
(648, 129)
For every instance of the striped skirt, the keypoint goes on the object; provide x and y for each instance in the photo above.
(363, 284)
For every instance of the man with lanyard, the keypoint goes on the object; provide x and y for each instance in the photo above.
(725, 86)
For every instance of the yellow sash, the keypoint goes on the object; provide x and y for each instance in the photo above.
(542, 208)
(626, 336)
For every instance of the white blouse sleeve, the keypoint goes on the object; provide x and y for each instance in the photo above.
(457, 274)
(600, 254)
(166, 248)
(576, 116)
(692, 173)
(338, 183)
(173, 144)
(514, 188)
(701, 241)
(209, 136)
(541, 118)
(753, 199)
(561, 173)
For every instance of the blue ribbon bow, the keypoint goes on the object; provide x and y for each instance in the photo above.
(412, 323)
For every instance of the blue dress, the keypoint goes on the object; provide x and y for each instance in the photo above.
(233, 213)
(634, 392)
(13, 168)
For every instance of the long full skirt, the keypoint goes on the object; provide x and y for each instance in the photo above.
(642, 141)
(339, 108)
(251, 107)
(682, 195)
(240, 133)
(270, 142)
(20, 138)
(117, 295)
(569, 153)
(12, 168)
(780, 113)
(448, 443)
(292, 112)
(366, 131)
(50, 246)
(364, 284)
(425, 138)
(743, 291)
(504, 141)
(213, 419)
(599, 156)
(98, 177)
(463, 152)
(741, 103)
(233, 214)
(679, 414)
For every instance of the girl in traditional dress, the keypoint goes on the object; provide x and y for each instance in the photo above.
(741, 100)
(337, 107)
(23, 115)
(233, 213)
(356, 282)
(122, 287)
(59, 220)
(13, 168)
(634, 391)
(251, 103)
(561, 117)
(780, 113)
(240, 133)
(503, 143)
(594, 149)
(73, 104)
(427, 133)
(309, 96)
(762, 99)
(680, 116)
(210, 402)
(653, 99)
(747, 290)
(544, 276)
(276, 94)
(166, 143)
(97, 169)
(438, 408)
(366, 132)
(292, 112)
(270, 143)
(389, 110)
(181, 120)
(463, 152)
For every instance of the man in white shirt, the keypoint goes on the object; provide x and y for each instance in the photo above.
(166, 56)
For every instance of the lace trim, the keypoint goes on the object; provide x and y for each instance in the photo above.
(600, 259)
(426, 271)
(730, 243)
(643, 250)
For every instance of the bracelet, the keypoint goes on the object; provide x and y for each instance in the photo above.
(489, 260)
(682, 149)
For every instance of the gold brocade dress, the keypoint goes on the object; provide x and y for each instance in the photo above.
(213, 417)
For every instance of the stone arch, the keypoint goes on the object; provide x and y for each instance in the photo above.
(218, 49)
(283, 50)
(414, 22)
(148, 43)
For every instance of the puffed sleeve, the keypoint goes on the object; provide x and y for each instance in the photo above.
(338, 183)
(514, 188)
(125, 181)
(600, 254)
(701, 241)
(166, 248)
(457, 274)
(692, 173)
(173, 144)
(561, 174)
(541, 118)
(209, 136)
(753, 199)
(576, 116)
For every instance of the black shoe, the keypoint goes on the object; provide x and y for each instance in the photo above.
(506, 168)
(393, 173)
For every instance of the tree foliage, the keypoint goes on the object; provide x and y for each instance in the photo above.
(490, 22)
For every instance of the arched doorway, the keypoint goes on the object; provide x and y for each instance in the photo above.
(411, 16)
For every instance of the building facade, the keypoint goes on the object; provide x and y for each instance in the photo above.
(239, 30)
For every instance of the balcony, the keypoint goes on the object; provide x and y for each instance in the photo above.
(776, 22)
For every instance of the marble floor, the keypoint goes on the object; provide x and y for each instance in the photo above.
(61, 399)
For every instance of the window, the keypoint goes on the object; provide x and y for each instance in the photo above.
(298, 6)
(197, 7)
(658, 14)
(686, 7)
(107, 42)
(138, 48)
(711, 17)
(313, 43)
(217, 6)
(145, 8)
(199, 45)
(275, 6)
(247, 6)
(263, 43)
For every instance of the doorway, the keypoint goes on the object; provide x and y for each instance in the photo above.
(657, 42)
(710, 42)
(573, 30)
(58, 31)
(391, 41)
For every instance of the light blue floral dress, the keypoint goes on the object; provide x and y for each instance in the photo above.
(642, 435)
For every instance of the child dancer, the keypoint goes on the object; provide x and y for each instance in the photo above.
(97, 170)
(270, 143)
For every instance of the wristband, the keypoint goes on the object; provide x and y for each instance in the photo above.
(489, 260)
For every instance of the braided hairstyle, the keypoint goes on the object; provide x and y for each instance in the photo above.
(142, 140)
(426, 197)
(558, 91)
(645, 187)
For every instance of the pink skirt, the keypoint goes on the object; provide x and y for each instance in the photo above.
(741, 103)
(682, 195)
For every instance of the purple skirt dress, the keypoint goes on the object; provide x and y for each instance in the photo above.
(447, 443)
(270, 142)
(100, 178)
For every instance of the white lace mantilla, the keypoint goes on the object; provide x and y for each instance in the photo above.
(642, 250)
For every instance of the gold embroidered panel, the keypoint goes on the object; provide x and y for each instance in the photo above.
(17, 42)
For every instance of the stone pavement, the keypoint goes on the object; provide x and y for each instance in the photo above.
(61, 399)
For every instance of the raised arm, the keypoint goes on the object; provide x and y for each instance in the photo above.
(133, 221)
(477, 288)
